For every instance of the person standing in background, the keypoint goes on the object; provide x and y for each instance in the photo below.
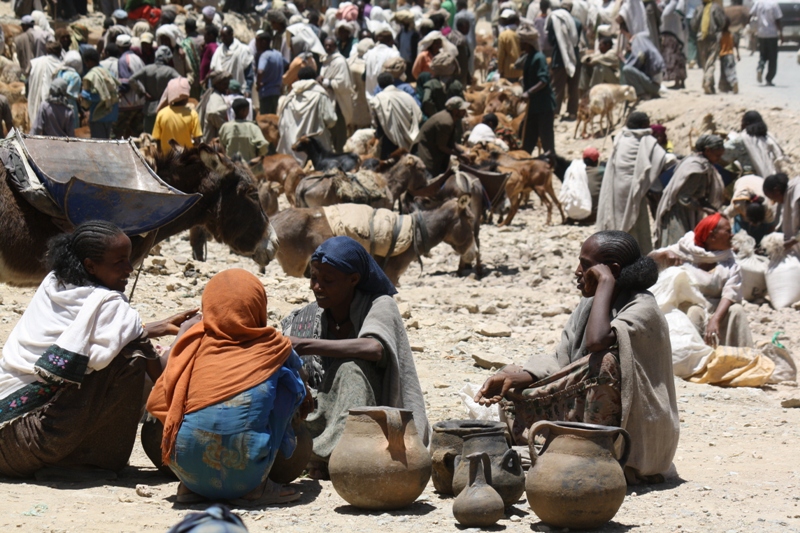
(768, 30)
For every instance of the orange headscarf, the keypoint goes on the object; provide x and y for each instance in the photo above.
(704, 229)
(230, 351)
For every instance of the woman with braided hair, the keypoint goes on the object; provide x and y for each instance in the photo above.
(72, 371)
(613, 366)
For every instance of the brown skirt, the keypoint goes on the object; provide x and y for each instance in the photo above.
(674, 58)
(94, 425)
(587, 390)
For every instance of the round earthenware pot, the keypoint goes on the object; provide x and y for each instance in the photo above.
(478, 505)
(507, 478)
(287, 470)
(447, 442)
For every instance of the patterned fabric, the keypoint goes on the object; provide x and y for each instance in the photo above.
(226, 450)
(509, 137)
(587, 390)
(26, 400)
(58, 365)
(674, 58)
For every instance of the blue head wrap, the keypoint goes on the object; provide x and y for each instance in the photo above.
(348, 256)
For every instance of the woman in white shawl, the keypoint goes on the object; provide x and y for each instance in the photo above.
(754, 148)
(707, 257)
(361, 114)
(338, 81)
(635, 164)
(42, 71)
(785, 192)
(72, 371)
(613, 366)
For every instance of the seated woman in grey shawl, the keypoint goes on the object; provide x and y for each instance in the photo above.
(707, 256)
(694, 191)
(613, 366)
(786, 192)
(354, 344)
(754, 148)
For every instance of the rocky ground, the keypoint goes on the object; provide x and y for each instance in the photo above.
(736, 463)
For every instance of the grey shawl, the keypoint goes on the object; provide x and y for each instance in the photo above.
(379, 318)
(692, 165)
(634, 165)
(791, 209)
(764, 153)
(649, 406)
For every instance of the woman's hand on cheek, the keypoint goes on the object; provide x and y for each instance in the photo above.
(596, 275)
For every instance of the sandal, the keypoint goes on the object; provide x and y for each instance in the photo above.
(269, 493)
(318, 470)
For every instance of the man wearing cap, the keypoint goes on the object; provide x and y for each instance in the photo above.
(374, 59)
(335, 77)
(235, 58)
(695, 190)
(563, 33)
(240, 136)
(153, 79)
(120, 18)
(131, 100)
(396, 66)
(437, 138)
(146, 50)
(29, 44)
(508, 47)
(211, 17)
(395, 116)
(212, 108)
(442, 86)
(539, 115)
(633, 168)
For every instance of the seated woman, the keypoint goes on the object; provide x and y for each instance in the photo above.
(227, 397)
(355, 342)
(754, 148)
(749, 209)
(613, 366)
(73, 368)
(785, 192)
(707, 255)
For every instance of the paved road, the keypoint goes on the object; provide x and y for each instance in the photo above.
(786, 92)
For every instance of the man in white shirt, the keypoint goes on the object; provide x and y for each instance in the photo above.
(768, 30)
(375, 58)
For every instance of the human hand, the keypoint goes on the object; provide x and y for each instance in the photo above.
(496, 387)
(308, 405)
(712, 332)
(595, 276)
(670, 258)
(173, 324)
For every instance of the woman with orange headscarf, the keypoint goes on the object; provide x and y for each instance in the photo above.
(708, 258)
(227, 397)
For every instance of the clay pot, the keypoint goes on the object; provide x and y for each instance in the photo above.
(287, 470)
(447, 442)
(380, 463)
(508, 478)
(576, 481)
(478, 505)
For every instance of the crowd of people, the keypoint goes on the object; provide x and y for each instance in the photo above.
(229, 388)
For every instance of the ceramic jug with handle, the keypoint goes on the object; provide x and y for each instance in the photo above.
(478, 505)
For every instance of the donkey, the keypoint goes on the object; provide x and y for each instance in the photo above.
(229, 210)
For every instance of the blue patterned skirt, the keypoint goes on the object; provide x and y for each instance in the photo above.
(226, 450)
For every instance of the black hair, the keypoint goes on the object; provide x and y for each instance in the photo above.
(754, 124)
(227, 27)
(66, 252)
(637, 121)
(544, 5)
(107, 23)
(463, 23)
(776, 183)
(307, 73)
(438, 20)
(112, 50)
(490, 119)
(638, 273)
(756, 212)
(589, 162)
(461, 4)
(385, 79)
(313, 16)
(90, 54)
(607, 40)
(212, 30)
(190, 24)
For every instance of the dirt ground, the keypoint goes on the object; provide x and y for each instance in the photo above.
(736, 464)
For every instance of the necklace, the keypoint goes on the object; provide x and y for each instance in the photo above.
(338, 325)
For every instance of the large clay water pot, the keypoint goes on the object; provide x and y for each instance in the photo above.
(380, 462)
(478, 505)
(507, 478)
(287, 470)
(576, 481)
(447, 442)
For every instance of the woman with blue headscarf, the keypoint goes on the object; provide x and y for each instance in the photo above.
(354, 343)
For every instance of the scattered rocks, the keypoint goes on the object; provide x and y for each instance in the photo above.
(144, 491)
(490, 361)
(556, 310)
(791, 402)
(405, 309)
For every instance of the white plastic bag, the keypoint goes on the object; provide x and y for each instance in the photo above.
(753, 267)
(783, 272)
(689, 352)
(575, 196)
(785, 366)
(674, 288)
(475, 411)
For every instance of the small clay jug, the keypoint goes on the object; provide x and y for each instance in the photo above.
(380, 463)
(447, 442)
(287, 470)
(508, 478)
(576, 481)
(478, 505)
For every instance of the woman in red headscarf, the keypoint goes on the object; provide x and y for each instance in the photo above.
(707, 256)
